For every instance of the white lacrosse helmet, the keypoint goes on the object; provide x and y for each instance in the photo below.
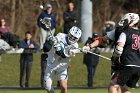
(74, 34)
(132, 19)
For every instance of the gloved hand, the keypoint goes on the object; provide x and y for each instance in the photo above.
(115, 64)
(115, 61)
(52, 40)
(59, 47)
(85, 49)
(71, 52)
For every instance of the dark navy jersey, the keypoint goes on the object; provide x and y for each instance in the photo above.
(131, 52)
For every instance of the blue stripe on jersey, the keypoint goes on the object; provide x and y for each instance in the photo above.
(67, 40)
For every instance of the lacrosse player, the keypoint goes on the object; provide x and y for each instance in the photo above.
(64, 47)
(126, 53)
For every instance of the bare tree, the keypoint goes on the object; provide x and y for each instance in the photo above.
(13, 12)
(22, 14)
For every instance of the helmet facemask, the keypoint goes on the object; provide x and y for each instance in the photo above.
(74, 34)
(72, 39)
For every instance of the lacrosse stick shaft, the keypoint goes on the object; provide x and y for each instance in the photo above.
(95, 54)
(98, 55)
(50, 32)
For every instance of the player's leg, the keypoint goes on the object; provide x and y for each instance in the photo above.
(48, 85)
(63, 77)
(63, 84)
(119, 79)
(114, 88)
(48, 80)
(43, 67)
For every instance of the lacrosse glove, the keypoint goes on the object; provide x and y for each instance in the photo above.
(85, 49)
(52, 40)
(59, 47)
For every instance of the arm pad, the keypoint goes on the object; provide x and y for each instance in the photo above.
(116, 54)
(118, 51)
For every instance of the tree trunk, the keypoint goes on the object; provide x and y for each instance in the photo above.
(13, 12)
(20, 17)
(60, 13)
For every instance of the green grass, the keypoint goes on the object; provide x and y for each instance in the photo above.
(9, 75)
(57, 91)
(9, 71)
(69, 91)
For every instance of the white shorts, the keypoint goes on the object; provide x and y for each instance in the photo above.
(56, 74)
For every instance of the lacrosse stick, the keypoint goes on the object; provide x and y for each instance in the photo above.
(47, 22)
(93, 54)
(98, 55)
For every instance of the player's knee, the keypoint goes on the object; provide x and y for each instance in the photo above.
(63, 84)
(113, 87)
(47, 86)
(64, 88)
(49, 89)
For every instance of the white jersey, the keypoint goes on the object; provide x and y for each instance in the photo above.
(56, 62)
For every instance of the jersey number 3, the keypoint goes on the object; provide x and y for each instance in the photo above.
(136, 46)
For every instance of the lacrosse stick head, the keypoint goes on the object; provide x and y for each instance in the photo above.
(47, 22)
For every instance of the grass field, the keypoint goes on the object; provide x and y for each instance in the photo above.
(9, 75)
(9, 71)
(69, 91)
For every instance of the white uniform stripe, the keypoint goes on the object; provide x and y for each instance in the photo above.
(133, 66)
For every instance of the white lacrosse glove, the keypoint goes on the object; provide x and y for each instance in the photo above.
(71, 52)
(85, 49)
